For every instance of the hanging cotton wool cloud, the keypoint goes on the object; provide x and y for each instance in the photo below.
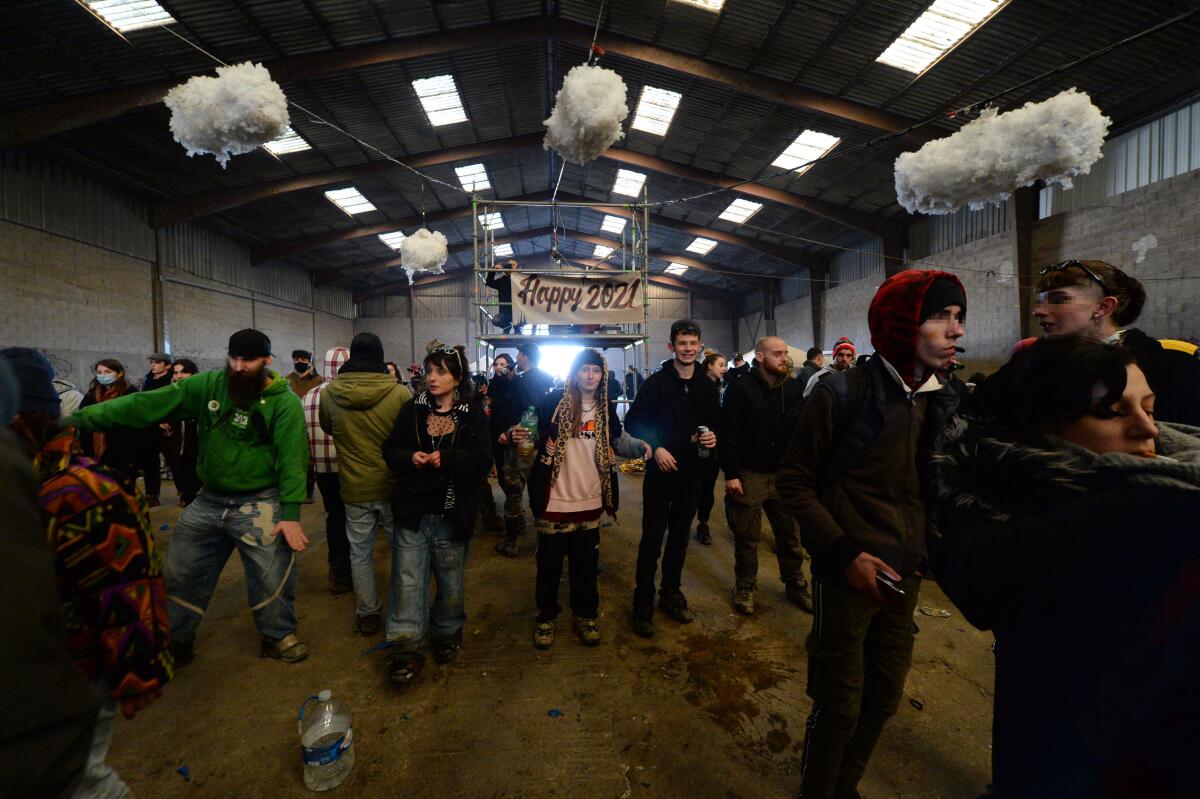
(587, 115)
(991, 157)
(423, 251)
(236, 112)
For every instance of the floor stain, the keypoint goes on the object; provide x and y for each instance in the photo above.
(724, 674)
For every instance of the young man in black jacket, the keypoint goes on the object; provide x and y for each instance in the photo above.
(857, 476)
(757, 420)
(669, 410)
(527, 391)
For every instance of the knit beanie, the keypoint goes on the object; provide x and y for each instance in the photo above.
(943, 292)
(898, 309)
(34, 379)
(588, 356)
(249, 343)
(366, 346)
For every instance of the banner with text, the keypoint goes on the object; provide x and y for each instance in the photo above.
(595, 299)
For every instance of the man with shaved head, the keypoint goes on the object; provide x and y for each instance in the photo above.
(757, 418)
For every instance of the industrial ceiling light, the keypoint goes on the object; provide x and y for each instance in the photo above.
(740, 210)
(350, 201)
(289, 142)
(129, 15)
(808, 146)
(941, 28)
(707, 5)
(439, 97)
(473, 177)
(655, 110)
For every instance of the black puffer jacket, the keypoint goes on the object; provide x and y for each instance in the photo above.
(1087, 569)
(757, 420)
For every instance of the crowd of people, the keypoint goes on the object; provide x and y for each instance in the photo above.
(1018, 493)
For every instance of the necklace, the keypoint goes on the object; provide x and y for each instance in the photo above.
(587, 408)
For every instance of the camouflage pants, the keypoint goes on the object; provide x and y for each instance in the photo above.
(512, 481)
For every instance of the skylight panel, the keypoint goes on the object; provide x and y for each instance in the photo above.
(473, 177)
(701, 245)
(613, 224)
(707, 5)
(393, 239)
(628, 183)
(676, 269)
(808, 146)
(503, 250)
(655, 110)
(601, 251)
(350, 201)
(740, 210)
(491, 221)
(130, 15)
(943, 25)
(439, 97)
(289, 142)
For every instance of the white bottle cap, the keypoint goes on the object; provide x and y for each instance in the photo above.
(325, 695)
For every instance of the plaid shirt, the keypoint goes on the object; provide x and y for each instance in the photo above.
(321, 451)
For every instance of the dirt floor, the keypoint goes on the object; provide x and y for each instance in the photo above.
(711, 709)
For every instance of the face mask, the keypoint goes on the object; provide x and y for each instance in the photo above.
(301, 368)
(106, 380)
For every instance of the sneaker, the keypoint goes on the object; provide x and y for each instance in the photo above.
(403, 669)
(743, 601)
(184, 652)
(703, 535)
(798, 593)
(289, 649)
(543, 634)
(675, 605)
(643, 622)
(445, 651)
(367, 625)
(588, 630)
(508, 547)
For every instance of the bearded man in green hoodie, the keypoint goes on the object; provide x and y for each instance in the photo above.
(359, 409)
(253, 463)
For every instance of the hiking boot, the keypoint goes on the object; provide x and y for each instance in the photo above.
(493, 524)
(184, 652)
(512, 531)
(643, 622)
(743, 601)
(798, 593)
(340, 583)
(403, 668)
(445, 651)
(588, 630)
(703, 535)
(289, 649)
(675, 605)
(508, 547)
(367, 625)
(543, 634)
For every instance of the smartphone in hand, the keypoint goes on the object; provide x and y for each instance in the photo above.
(893, 594)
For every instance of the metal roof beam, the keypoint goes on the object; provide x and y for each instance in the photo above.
(29, 124)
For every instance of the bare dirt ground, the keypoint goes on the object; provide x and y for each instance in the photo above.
(711, 709)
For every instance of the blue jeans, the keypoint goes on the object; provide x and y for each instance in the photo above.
(207, 533)
(362, 519)
(431, 549)
(99, 781)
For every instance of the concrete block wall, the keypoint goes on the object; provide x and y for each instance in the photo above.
(846, 312)
(198, 322)
(793, 322)
(1168, 263)
(74, 301)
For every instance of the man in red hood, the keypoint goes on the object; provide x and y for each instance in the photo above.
(856, 477)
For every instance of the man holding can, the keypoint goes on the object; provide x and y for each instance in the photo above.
(670, 410)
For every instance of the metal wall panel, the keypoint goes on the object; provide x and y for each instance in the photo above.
(865, 260)
(932, 234)
(42, 194)
(442, 301)
(1161, 149)
(334, 300)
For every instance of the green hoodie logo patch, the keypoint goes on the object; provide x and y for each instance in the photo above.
(241, 419)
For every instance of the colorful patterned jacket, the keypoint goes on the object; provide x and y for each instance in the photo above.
(107, 569)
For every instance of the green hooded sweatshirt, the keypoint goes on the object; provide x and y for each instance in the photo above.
(242, 450)
(359, 410)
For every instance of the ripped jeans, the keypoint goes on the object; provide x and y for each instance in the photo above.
(432, 550)
(207, 533)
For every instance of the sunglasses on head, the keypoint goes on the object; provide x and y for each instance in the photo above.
(1063, 266)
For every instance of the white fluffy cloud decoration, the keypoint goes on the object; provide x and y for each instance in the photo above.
(236, 112)
(587, 115)
(991, 157)
(423, 251)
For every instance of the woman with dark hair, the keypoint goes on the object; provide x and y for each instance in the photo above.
(394, 371)
(572, 483)
(124, 449)
(183, 448)
(1060, 474)
(714, 367)
(1098, 300)
(440, 449)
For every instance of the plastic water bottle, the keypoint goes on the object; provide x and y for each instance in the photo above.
(326, 741)
(527, 448)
